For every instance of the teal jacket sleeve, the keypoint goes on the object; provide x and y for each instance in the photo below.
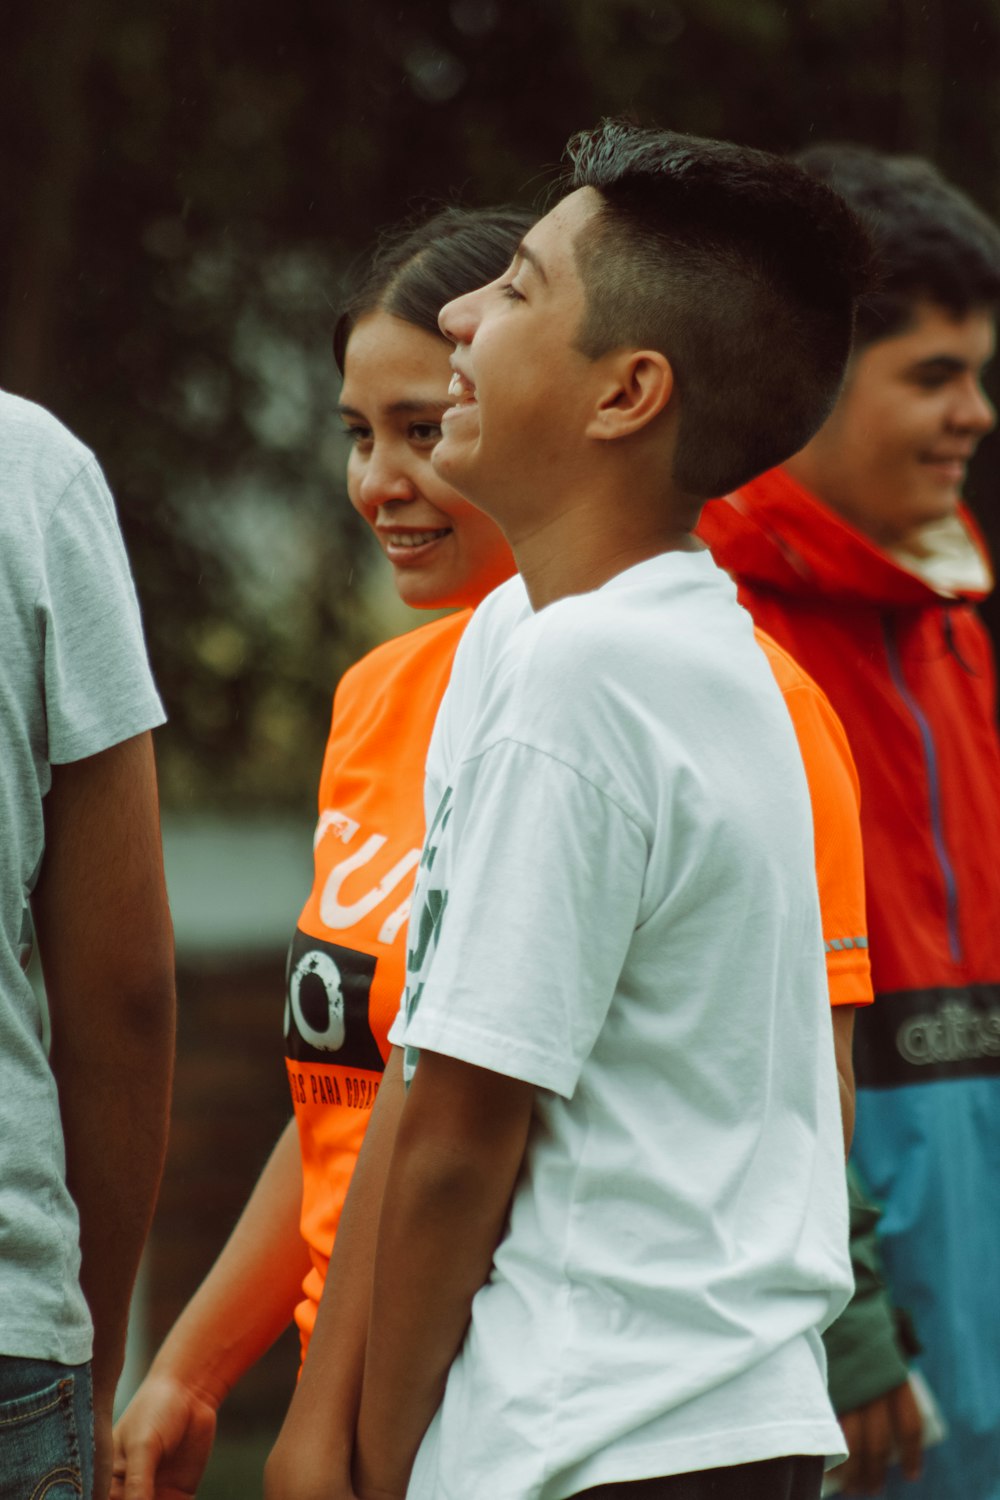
(867, 1348)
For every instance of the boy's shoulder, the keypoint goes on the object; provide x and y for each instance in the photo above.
(668, 614)
(588, 666)
(574, 632)
(492, 624)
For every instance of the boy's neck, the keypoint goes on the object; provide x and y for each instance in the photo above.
(556, 560)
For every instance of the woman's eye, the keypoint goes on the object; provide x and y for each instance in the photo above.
(509, 290)
(357, 435)
(425, 432)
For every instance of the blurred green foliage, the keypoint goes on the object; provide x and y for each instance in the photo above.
(185, 185)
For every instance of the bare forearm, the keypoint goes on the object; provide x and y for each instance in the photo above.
(114, 1101)
(107, 953)
(436, 1242)
(249, 1296)
(446, 1200)
(164, 1438)
(313, 1454)
(843, 1045)
(846, 1112)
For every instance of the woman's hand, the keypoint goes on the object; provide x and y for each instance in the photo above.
(162, 1441)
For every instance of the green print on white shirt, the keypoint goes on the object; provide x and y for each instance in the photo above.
(429, 904)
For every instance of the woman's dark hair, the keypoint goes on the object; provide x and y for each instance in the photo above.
(417, 269)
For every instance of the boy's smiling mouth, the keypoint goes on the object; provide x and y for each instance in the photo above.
(462, 391)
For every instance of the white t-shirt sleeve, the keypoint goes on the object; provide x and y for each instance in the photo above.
(98, 687)
(526, 903)
(488, 634)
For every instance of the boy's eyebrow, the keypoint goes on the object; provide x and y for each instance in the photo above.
(947, 364)
(524, 252)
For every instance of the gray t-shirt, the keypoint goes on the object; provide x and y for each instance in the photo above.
(74, 680)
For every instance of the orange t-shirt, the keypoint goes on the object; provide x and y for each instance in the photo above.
(346, 964)
(347, 961)
(835, 795)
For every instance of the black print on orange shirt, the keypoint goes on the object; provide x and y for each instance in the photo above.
(331, 1086)
(326, 1005)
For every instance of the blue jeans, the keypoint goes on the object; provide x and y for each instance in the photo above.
(46, 1431)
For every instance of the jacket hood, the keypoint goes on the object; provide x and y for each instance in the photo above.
(775, 534)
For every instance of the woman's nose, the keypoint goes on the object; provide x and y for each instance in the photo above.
(384, 480)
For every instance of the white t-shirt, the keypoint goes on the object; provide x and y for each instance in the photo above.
(74, 680)
(617, 903)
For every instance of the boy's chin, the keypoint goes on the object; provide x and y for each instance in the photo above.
(451, 460)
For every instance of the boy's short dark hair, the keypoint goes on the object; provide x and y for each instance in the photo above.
(417, 268)
(931, 242)
(738, 266)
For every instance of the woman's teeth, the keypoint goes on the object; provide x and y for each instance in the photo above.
(414, 538)
(455, 385)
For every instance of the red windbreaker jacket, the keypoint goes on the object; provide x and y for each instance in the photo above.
(910, 672)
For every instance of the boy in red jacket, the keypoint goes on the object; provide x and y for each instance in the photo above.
(858, 556)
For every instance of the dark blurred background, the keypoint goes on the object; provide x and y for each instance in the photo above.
(186, 182)
(185, 185)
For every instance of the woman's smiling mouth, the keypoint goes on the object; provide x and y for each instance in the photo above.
(410, 547)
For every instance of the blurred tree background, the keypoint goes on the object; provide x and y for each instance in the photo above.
(186, 183)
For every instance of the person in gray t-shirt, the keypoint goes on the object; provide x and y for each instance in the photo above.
(82, 1129)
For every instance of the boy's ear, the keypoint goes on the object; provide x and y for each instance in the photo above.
(640, 384)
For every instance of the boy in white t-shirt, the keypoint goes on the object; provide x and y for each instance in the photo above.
(613, 1219)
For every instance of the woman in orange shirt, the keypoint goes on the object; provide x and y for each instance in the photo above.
(347, 958)
(346, 962)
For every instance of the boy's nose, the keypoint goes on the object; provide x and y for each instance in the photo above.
(980, 414)
(458, 319)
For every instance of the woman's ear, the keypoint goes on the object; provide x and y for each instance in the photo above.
(640, 385)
